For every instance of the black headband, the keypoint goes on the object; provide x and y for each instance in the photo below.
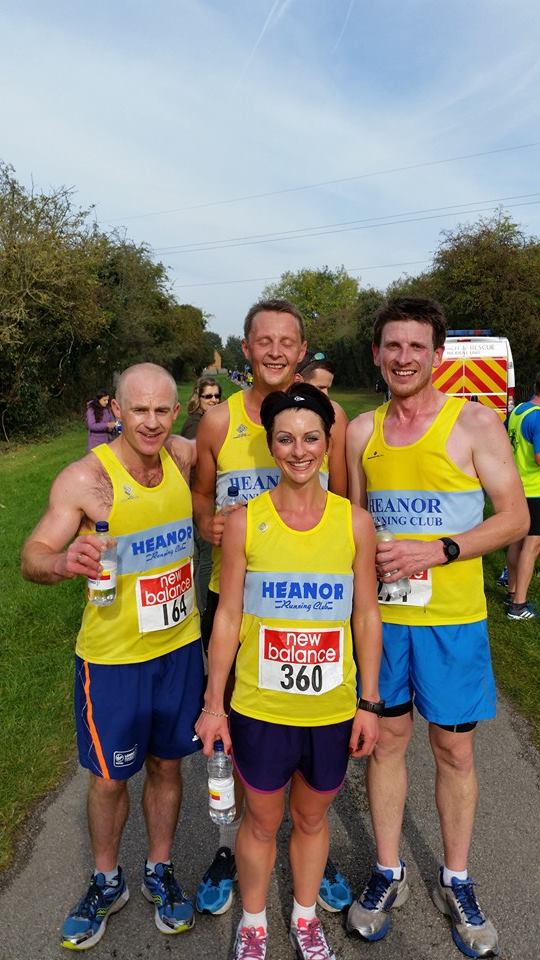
(300, 396)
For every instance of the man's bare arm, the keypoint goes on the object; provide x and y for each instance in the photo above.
(493, 463)
(358, 433)
(184, 454)
(44, 557)
(210, 437)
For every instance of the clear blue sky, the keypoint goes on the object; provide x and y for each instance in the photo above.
(156, 111)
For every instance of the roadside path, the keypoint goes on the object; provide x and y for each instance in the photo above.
(54, 862)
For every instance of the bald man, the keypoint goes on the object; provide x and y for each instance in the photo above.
(138, 670)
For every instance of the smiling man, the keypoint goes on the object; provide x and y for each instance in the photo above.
(138, 673)
(420, 463)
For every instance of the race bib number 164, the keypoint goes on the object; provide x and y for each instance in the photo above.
(308, 661)
(165, 599)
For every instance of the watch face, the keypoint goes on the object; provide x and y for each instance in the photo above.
(451, 549)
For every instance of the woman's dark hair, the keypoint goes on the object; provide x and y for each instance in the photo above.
(195, 398)
(96, 406)
(299, 396)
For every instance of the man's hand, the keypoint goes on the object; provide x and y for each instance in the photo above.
(81, 559)
(364, 734)
(212, 530)
(406, 558)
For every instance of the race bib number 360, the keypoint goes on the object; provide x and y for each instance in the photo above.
(165, 599)
(300, 661)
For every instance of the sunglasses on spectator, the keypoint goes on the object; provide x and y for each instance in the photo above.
(210, 396)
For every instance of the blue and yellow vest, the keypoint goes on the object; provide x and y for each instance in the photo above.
(421, 494)
(154, 611)
(295, 663)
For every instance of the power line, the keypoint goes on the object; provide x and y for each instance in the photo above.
(325, 183)
(350, 270)
(324, 230)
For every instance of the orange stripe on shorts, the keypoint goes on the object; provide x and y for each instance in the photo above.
(90, 718)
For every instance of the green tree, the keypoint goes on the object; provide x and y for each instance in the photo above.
(233, 357)
(326, 299)
(488, 276)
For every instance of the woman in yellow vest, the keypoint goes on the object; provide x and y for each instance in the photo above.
(298, 562)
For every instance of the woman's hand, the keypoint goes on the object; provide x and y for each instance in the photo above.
(364, 734)
(210, 728)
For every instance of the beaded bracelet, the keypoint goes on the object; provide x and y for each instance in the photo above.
(212, 714)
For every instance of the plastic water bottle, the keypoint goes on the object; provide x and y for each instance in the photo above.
(221, 805)
(401, 587)
(231, 500)
(102, 592)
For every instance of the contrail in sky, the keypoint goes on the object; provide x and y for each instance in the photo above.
(273, 11)
(347, 17)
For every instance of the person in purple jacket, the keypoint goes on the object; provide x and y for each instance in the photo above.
(100, 420)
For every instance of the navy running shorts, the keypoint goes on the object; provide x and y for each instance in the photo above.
(266, 754)
(533, 504)
(124, 712)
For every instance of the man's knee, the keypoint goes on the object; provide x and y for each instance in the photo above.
(454, 750)
(394, 737)
(107, 789)
(159, 769)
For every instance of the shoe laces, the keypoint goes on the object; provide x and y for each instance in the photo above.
(93, 899)
(330, 871)
(463, 891)
(376, 888)
(173, 891)
(221, 867)
(312, 940)
(252, 943)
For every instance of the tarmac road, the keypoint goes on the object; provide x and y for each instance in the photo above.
(53, 865)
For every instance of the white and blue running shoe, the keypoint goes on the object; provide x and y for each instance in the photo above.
(86, 923)
(173, 909)
(215, 891)
(473, 933)
(368, 916)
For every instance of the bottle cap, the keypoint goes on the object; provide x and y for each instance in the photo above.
(218, 746)
(102, 526)
(232, 491)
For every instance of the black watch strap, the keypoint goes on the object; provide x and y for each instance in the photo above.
(371, 706)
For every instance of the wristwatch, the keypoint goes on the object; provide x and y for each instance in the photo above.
(372, 706)
(451, 549)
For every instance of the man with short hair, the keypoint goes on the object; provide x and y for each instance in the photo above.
(524, 433)
(420, 463)
(139, 672)
(232, 450)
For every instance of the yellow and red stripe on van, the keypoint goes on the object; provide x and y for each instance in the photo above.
(485, 378)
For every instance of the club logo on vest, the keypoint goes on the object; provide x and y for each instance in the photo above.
(129, 492)
(241, 431)
(375, 455)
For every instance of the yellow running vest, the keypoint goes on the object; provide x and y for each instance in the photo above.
(527, 467)
(421, 494)
(245, 462)
(154, 611)
(295, 662)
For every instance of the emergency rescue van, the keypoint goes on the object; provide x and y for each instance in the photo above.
(478, 366)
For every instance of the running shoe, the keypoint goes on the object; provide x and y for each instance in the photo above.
(368, 916)
(215, 892)
(250, 943)
(334, 893)
(508, 600)
(472, 932)
(502, 580)
(85, 925)
(309, 941)
(173, 909)
(521, 611)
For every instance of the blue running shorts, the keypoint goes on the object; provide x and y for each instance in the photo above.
(445, 670)
(267, 754)
(124, 712)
